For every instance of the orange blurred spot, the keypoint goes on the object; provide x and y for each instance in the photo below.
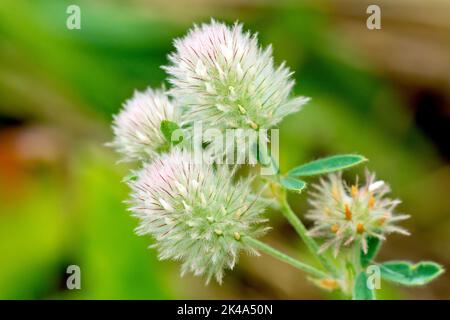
(348, 213)
(360, 228)
(329, 284)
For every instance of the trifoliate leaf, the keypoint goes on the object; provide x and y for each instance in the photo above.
(327, 165)
(409, 274)
(293, 184)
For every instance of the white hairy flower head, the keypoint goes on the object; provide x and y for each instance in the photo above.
(221, 76)
(343, 215)
(137, 133)
(196, 212)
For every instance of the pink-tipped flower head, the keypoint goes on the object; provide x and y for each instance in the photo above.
(196, 213)
(222, 77)
(137, 133)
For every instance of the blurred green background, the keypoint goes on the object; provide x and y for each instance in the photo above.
(382, 93)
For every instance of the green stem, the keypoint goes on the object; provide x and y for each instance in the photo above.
(285, 258)
(353, 260)
(297, 223)
(303, 233)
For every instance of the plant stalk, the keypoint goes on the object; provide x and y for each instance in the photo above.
(285, 258)
(301, 230)
(297, 223)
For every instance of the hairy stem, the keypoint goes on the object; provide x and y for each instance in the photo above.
(302, 232)
(285, 258)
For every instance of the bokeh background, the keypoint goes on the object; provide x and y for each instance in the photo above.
(382, 93)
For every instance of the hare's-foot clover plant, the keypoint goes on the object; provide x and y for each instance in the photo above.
(203, 215)
(196, 212)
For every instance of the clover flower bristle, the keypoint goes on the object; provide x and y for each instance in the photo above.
(343, 215)
(137, 134)
(223, 78)
(196, 212)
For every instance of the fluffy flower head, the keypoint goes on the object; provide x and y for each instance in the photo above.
(343, 215)
(137, 134)
(223, 78)
(196, 213)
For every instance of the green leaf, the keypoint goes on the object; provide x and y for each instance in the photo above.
(326, 165)
(409, 274)
(167, 128)
(373, 245)
(360, 289)
(293, 184)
